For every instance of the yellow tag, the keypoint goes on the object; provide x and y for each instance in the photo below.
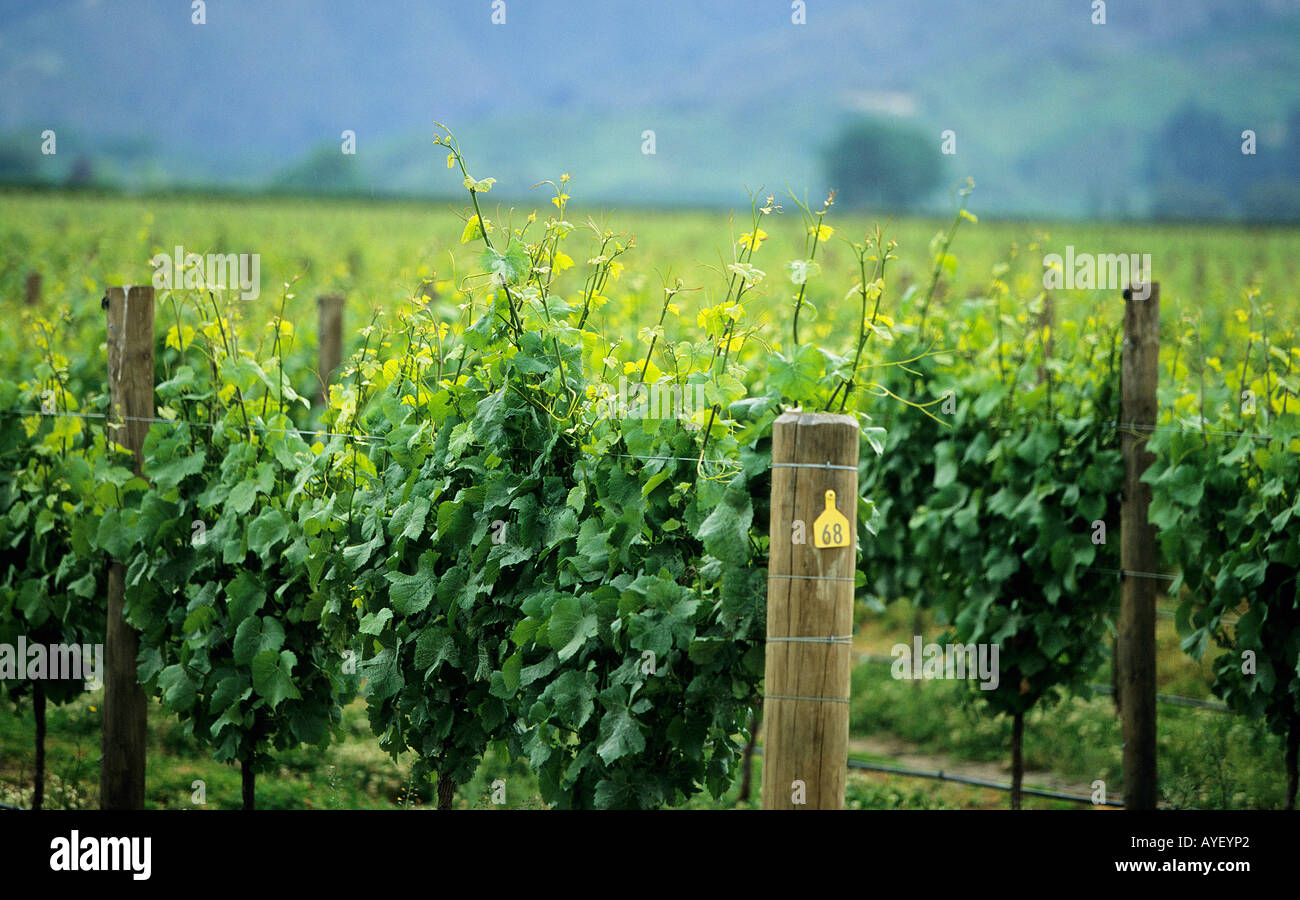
(831, 529)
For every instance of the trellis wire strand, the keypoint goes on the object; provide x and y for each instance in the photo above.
(176, 423)
(1174, 429)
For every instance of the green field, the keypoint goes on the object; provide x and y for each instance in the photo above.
(381, 254)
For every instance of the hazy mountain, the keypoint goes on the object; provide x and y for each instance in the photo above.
(1052, 113)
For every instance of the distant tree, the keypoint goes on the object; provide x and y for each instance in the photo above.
(1273, 200)
(324, 170)
(1289, 162)
(882, 162)
(1198, 170)
(18, 164)
(1199, 148)
(82, 173)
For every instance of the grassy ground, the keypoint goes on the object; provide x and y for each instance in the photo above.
(1207, 759)
(351, 774)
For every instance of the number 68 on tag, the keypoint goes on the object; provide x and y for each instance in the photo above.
(830, 529)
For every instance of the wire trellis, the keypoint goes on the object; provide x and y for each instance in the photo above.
(941, 775)
(301, 432)
(1175, 429)
(177, 423)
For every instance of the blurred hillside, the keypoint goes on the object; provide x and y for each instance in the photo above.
(1052, 114)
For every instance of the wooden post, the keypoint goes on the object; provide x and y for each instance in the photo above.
(809, 613)
(130, 391)
(446, 791)
(32, 289)
(248, 784)
(38, 714)
(329, 341)
(1135, 663)
(1047, 319)
(747, 758)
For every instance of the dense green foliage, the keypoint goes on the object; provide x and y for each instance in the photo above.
(1007, 531)
(54, 475)
(534, 566)
(230, 636)
(1227, 505)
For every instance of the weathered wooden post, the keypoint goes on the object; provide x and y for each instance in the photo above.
(1135, 662)
(329, 341)
(812, 559)
(32, 289)
(130, 391)
(1047, 321)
